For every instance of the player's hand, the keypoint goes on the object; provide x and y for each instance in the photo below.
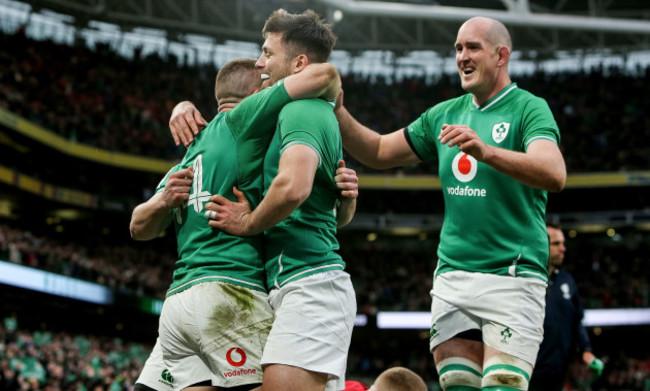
(185, 123)
(346, 179)
(177, 189)
(466, 139)
(596, 366)
(228, 216)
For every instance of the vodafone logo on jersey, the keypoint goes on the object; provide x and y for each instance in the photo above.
(464, 167)
(236, 357)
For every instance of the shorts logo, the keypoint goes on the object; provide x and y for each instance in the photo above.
(500, 131)
(506, 334)
(433, 332)
(464, 167)
(167, 378)
(234, 361)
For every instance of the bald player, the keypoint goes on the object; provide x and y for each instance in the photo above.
(498, 156)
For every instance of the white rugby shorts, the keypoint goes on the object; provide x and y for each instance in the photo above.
(314, 317)
(156, 375)
(223, 324)
(508, 310)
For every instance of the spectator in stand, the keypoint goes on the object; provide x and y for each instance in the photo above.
(86, 101)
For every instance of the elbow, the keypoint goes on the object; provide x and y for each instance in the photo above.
(381, 164)
(136, 234)
(343, 222)
(557, 176)
(557, 183)
(296, 196)
(330, 82)
(293, 191)
(328, 74)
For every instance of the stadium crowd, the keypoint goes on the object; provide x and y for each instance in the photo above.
(58, 361)
(388, 276)
(143, 271)
(89, 96)
(92, 97)
(55, 360)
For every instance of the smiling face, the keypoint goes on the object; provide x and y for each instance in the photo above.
(480, 59)
(274, 62)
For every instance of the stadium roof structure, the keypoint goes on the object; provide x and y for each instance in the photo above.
(539, 27)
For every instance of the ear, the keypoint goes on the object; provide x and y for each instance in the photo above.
(300, 62)
(504, 55)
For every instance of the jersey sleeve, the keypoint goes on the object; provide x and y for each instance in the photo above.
(538, 123)
(422, 137)
(300, 125)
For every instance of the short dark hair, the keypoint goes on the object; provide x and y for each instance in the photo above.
(304, 33)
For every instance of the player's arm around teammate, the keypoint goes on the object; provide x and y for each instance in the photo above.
(317, 80)
(289, 189)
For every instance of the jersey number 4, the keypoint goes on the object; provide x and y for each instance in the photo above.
(198, 197)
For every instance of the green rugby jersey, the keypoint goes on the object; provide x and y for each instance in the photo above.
(228, 152)
(492, 223)
(305, 242)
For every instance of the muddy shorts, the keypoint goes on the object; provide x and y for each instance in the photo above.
(225, 325)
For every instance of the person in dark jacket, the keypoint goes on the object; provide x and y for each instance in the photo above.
(563, 329)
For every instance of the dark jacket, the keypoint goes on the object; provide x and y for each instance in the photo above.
(564, 333)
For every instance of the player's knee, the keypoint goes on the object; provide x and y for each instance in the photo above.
(504, 372)
(456, 372)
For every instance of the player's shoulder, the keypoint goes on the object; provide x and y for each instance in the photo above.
(457, 102)
(214, 124)
(309, 107)
(523, 95)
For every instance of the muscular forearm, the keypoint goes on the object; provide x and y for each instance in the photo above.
(282, 198)
(149, 219)
(358, 140)
(544, 170)
(316, 80)
(288, 190)
(371, 148)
